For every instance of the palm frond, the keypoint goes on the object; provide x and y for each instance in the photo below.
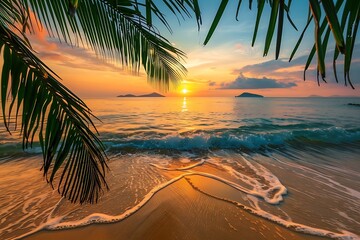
(47, 109)
(216, 20)
(182, 8)
(118, 32)
(62, 121)
(14, 14)
(324, 15)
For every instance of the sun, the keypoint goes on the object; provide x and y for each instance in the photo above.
(184, 91)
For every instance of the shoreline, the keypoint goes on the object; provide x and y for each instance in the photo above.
(179, 211)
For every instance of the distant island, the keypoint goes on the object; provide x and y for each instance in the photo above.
(315, 96)
(246, 94)
(154, 94)
(354, 104)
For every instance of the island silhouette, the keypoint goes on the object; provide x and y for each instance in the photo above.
(247, 94)
(154, 94)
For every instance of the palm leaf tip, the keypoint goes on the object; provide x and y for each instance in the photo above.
(61, 120)
(74, 157)
(73, 5)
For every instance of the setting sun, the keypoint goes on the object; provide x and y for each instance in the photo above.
(184, 91)
(167, 119)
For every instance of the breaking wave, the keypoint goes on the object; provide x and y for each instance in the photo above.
(241, 140)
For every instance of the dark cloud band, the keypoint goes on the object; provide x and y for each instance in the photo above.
(243, 82)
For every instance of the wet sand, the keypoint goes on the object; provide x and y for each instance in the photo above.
(180, 211)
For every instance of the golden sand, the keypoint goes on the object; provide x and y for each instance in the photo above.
(181, 212)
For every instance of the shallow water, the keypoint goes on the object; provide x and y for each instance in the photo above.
(294, 161)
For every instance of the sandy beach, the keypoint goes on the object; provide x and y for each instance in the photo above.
(179, 120)
(181, 212)
(267, 179)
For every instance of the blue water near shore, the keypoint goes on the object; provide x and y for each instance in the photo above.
(281, 154)
(244, 124)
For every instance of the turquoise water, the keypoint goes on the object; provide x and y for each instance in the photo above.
(241, 124)
(294, 161)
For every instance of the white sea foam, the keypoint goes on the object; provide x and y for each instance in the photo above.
(230, 124)
(233, 139)
(344, 235)
(53, 223)
(268, 187)
(263, 183)
(321, 178)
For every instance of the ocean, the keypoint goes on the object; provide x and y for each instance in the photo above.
(292, 161)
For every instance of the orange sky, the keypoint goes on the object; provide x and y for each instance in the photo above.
(89, 76)
(221, 68)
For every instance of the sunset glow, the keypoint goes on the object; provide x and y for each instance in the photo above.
(226, 67)
(179, 119)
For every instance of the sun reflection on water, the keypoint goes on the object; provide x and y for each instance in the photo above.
(184, 106)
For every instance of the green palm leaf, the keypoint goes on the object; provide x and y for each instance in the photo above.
(184, 8)
(316, 12)
(261, 4)
(216, 20)
(60, 119)
(121, 32)
(324, 12)
(117, 32)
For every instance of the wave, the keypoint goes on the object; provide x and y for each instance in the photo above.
(261, 185)
(232, 139)
(54, 223)
(240, 140)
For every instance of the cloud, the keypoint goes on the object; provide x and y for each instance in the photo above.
(211, 84)
(275, 67)
(73, 57)
(50, 49)
(243, 82)
(283, 71)
(39, 35)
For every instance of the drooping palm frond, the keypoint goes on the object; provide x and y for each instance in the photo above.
(324, 14)
(121, 31)
(45, 107)
(115, 30)
(118, 32)
(177, 7)
(277, 11)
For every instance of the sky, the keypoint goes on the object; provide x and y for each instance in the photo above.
(226, 66)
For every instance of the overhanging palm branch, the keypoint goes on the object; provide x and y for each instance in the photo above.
(323, 14)
(46, 108)
(118, 32)
(177, 7)
(61, 120)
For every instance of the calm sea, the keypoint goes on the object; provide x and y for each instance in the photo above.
(294, 161)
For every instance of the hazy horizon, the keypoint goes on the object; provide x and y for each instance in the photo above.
(226, 66)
